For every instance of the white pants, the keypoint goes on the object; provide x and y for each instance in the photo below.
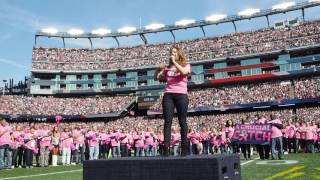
(66, 156)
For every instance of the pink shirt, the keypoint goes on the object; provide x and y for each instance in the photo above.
(302, 131)
(175, 138)
(194, 138)
(45, 139)
(18, 139)
(5, 138)
(204, 136)
(229, 132)
(222, 138)
(139, 141)
(148, 138)
(93, 138)
(213, 140)
(160, 138)
(78, 137)
(31, 143)
(124, 138)
(275, 132)
(176, 82)
(115, 139)
(104, 137)
(309, 133)
(291, 131)
(66, 140)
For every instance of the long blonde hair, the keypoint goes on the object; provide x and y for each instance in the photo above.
(182, 60)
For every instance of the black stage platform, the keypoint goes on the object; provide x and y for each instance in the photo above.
(164, 168)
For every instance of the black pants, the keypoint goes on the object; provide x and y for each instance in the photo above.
(263, 151)
(124, 150)
(292, 145)
(103, 151)
(205, 145)
(28, 157)
(246, 150)
(180, 102)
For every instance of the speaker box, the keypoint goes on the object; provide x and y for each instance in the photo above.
(213, 167)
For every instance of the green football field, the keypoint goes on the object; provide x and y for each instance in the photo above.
(296, 166)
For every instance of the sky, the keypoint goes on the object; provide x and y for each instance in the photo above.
(21, 19)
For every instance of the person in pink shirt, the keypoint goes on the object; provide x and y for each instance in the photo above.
(310, 131)
(115, 143)
(263, 149)
(45, 138)
(30, 140)
(229, 131)
(5, 142)
(149, 142)
(285, 136)
(78, 141)
(315, 135)
(291, 131)
(213, 141)
(139, 143)
(124, 138)
(37, 132)
(175, 96)
(17, 146)
(196, 145)
(66, 142)
(297, 136)
(276, 137)
(204, 139)
(222, 140)
(103, 136)
(302, 131)
(93, 138)
(175, 141)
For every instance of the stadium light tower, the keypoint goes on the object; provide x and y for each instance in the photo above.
(101, 31)
(283, 6)
(185, 22)
(75, 32)
(49, 30)
(127, 29)
(154, 26)
(249, 12)
(215, 17)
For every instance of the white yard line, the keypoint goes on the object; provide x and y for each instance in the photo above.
(37, 175)
(247, 162)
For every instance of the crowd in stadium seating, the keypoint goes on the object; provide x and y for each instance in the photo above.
(200, 49)
(77, 141)
(226, 95)
(252, 93)
(307, 88)
(40, 105)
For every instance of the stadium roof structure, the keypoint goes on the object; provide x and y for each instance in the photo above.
(182, 24)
